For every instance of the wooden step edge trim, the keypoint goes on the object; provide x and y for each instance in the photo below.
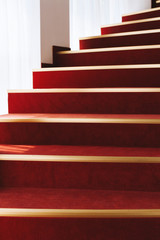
(60, 69)
(79, 159)
(158, 1)
(141, 12)
(87, 90)
(82, 120)
(131, 22)
(78, 213)
(122, 34)
(112, 49)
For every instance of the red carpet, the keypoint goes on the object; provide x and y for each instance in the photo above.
(102, 101)
(137, 25)
(77, 199)
(117, 229)
(137, 38)
(81, 175)
(98, 77)
(109, 56)
(80, 154)
(153, 13)
(81, 129)
(78, 150)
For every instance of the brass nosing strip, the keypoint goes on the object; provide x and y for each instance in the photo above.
(138, 66)
(78, 159)
(112, 49)
(79, 213)
(81, 120)
(88, 90)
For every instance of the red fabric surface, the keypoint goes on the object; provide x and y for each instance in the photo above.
(78, 150)
(136, 26)
(118, 176)
(97, 78)
(120, 135)
(79, 229)
(38, 198)
(69, 185)
(118, 57)
(143, 15)
(120, 41)
(103, 103)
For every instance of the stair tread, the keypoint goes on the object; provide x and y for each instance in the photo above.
(132, 22)
(143, 11)
(47, 198)
(123, 34)
(59, 150)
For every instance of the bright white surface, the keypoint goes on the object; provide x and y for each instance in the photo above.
(54, 26)
(19, 45)
(87, 16)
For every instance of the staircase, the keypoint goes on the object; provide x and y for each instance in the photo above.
(80, 153)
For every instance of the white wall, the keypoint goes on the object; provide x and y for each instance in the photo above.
(87, 16)
(54, 26)
(135, 5)
(19, 45)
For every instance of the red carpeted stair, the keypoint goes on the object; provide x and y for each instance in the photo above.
(152, 13)
(98, 77)
(138, 25)
(99, 100)
(80, 153)
(110, 56)
(135, 38)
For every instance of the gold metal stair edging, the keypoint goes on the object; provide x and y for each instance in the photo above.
(76, 213)
(83, 159)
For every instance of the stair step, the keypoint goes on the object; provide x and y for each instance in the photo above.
(79, 224)
(105, 172)
(7, 152)
(139, 25)
(98, 76)
(149, 13)
(48, 202)
(81, 129)
(138, 38)
(110, 56)
(90, 100)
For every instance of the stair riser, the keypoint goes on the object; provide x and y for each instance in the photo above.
(121, 41)
(104, 103)
(90, 229)
(101, 134)
(131, 27)
(144, 15)
(97, 78)
(108, 176)
(141, 56)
